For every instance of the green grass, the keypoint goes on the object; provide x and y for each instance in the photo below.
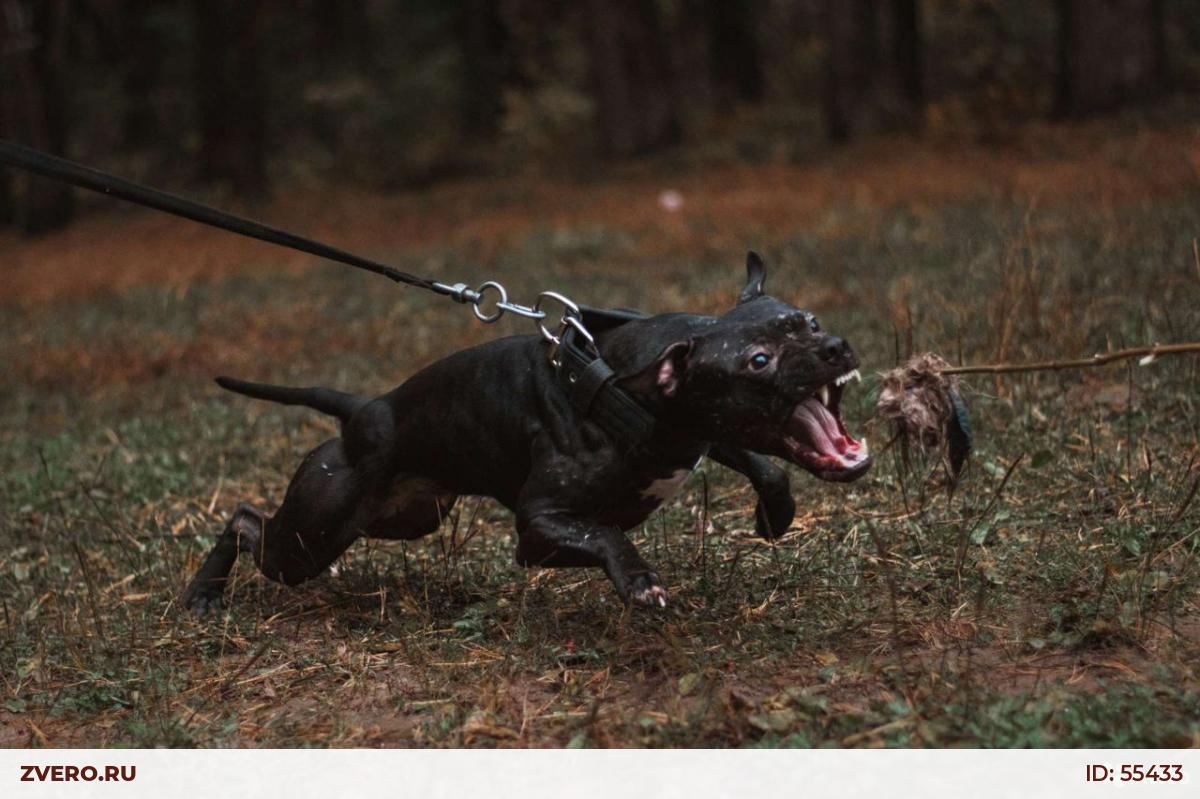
(1071, 619)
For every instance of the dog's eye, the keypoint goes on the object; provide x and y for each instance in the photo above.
(760, 361)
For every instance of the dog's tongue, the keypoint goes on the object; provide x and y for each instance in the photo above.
(824, 433)
(816, 439)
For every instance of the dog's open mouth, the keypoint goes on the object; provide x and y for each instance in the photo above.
(817, 440)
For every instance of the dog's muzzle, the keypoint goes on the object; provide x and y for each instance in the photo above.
(816, 438)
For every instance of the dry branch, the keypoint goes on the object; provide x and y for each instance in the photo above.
(921, 400)
(1099, 359)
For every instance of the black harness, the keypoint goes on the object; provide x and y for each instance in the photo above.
(589, 382)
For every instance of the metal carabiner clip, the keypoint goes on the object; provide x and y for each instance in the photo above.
(571, 317)
(569, 308)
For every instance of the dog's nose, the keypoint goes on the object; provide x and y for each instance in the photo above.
(833, 349)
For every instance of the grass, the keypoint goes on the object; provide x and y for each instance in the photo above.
(1061, 611)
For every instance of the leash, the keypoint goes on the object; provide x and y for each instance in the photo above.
(85, 177)
(586, 378)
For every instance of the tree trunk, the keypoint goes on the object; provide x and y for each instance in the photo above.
(141, 66)
(1110, 52)
(908, 51)
(341, 35)
(1162, 58)
(35, 106)
(229, 93)
(873, 71)
(635, 105)
(733, 45)
(7, 209)
(484, 42)
(9, 49)
(843, 70)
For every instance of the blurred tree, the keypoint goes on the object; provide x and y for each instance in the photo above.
(388, 93)
(636, 111)
(484, 42)
(127, 47)
(7, 67)
(990, 66)
(7, 211)
(134, 57)
(1109, 52)
(873, 66)
(737, 71)
(35, 56)
(331, 69)
(141, 63)
(908, 53)
(341, 35)
(230, 95)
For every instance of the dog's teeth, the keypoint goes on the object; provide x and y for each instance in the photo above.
(841, 381)
(823, 395)
(846, 378)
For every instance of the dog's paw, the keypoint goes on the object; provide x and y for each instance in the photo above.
(647, 589)
(201, 600)
(773, 515)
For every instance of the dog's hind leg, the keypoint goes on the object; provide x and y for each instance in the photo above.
(321, 515)
(242, 533)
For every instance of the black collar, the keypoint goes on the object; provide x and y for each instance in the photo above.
(589, 383)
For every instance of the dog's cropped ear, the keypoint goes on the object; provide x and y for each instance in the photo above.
(664, 373)
(756, 275)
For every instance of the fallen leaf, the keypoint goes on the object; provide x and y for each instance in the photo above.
(826, 658)
(774, 720)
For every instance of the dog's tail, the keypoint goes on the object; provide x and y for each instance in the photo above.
(325, 400)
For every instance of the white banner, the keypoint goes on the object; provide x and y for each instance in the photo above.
(597, 774)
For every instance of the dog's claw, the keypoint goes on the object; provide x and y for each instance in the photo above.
(200, 602)
(203, 607)
(645, 589)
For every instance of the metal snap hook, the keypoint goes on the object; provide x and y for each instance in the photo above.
(569, 309)
(577, 323)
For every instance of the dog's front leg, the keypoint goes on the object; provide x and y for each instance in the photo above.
(561, 540)
(775, 510)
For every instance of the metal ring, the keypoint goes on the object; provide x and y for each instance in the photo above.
(568, 308)
(482, 290)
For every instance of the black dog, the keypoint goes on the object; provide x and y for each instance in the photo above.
(498, 420)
